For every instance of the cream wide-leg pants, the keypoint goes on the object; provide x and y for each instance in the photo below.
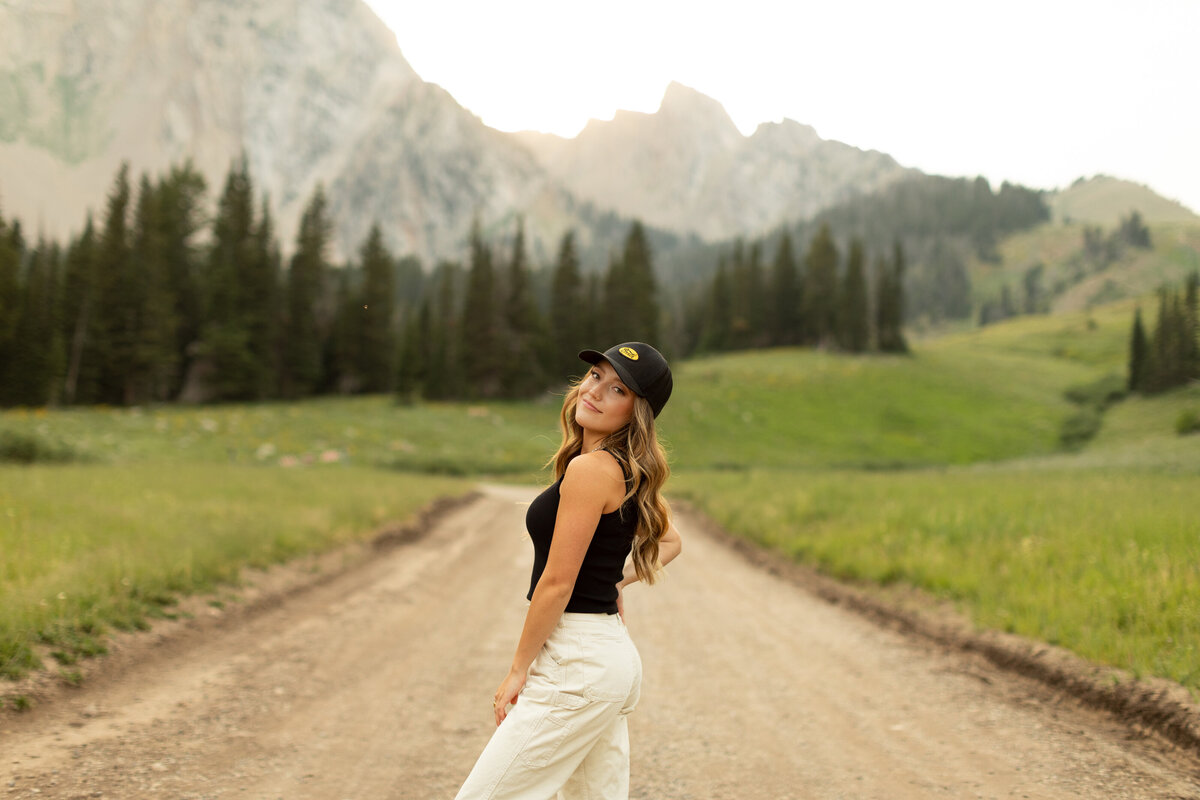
(566, 734)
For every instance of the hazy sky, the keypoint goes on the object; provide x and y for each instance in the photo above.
(1039, 93)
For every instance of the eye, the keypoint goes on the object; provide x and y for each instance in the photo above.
(619, 390)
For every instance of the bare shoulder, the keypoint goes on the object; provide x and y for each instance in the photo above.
(599, 466)
(595, 478)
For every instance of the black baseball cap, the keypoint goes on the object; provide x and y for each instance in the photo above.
(641, 368)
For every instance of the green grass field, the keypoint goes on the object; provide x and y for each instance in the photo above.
(942, 470)
(88, 548)
(1105, 563)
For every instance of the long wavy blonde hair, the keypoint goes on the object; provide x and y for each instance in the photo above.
(644, 462)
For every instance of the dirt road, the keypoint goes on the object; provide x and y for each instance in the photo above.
(377, 684)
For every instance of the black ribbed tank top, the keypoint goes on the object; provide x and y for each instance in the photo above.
(603, 565)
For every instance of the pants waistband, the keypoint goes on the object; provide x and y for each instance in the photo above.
(575, 619)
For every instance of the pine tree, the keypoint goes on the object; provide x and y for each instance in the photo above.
(225, 333)
(612, 309)
(854, 331)
(79, 302)
(10, 307)
(522, 373)
(693, 319)
(1137, 354)
(37, 354)
(1191, 334)
(748, 297)
(413, 371)
(340, 354)
(630, 307)
(114, 336)
(594, 319)
(1171, 350)
(1158, 362)
(180, 196)
(820, 290)
(890, 306)
(262, 305)
(377, 348)
(718, 318)
(784, 295)
(155, 359)
(446, 371)
(307, 315)
(568, 311)
(1178, 350)
(481, 323)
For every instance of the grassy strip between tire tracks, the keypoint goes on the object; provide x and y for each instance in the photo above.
(87, 548)
(1104, 564)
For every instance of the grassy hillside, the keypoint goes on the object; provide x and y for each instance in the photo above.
(950, 403)
(1074, 284)
(1075, 280)
(1103, 200)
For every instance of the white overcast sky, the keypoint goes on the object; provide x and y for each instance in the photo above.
(1039, 93)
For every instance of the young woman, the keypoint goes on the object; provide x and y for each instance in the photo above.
(560, 712)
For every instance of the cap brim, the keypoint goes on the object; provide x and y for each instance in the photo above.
(595, 357)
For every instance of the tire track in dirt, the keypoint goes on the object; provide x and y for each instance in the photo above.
(376, 683)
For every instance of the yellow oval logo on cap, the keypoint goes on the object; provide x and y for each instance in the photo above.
(629, 353)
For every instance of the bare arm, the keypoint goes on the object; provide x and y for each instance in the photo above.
(669, 546)
(586, 487)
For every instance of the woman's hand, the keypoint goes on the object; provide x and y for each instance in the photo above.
(510, 687)
(620, 604)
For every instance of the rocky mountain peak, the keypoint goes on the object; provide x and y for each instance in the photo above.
(787, 131)
(683, 104)
(317, 91)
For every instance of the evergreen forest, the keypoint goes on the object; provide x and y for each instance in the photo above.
(154, 303)
(162, 299)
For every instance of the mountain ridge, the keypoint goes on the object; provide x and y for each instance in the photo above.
(1104, 199)
(318, 91)
(711, 181)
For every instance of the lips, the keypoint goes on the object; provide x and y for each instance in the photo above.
(590, 406)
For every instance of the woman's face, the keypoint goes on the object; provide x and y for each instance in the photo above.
(605, 403)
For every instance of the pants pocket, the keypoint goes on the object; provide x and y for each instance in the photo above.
(610, 668)
(549, 733)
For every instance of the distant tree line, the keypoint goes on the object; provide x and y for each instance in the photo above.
(482, 331)
(940, 222)
(157, 303)
(820, 300)
(1170, 355)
